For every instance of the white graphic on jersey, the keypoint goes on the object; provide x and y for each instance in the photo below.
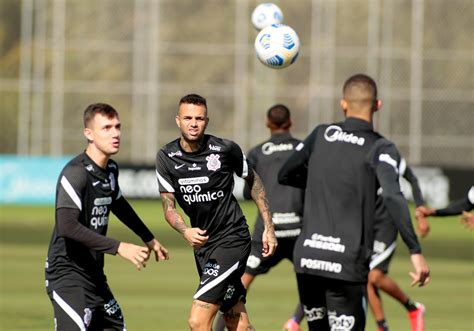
(340, 323)
(193, 180)
(90, 168)
(213, 162)
(161, 181)
(253, 261)
(202, 282)
(388, 159)
(96, 183)
(112, 165)
(211, 269)
(71, 192)
(285, 218)
(215, 148)
(321, 265)
(191, 193)
(299, 147)
(245, 167)
(112, 181)
(230, 292)
(194, 167)
(179, 166)
(334, 133)
(326, 243)
(102, 201)
(314, 314)
(269, 148)
(287, 233)
(402, 167)
(177, 153)
(99, 217)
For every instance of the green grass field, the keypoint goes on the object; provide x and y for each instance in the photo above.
(159, 297)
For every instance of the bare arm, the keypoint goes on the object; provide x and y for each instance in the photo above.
(257, 191)
(194, 236)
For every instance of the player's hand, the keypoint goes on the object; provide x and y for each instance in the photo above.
(269, 242)
(161, 253)
(467, 219)
(421, 276)
(422, 223)
(423, 211)
(196, 237)
(138, 255)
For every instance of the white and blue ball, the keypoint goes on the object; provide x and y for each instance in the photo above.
(277, 46)
(266, 14)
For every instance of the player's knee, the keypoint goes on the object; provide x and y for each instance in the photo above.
(194, 323)
(375, 277)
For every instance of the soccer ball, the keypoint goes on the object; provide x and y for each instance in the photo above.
(277, 46)
(266, 14)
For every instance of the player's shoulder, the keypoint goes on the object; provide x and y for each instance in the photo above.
(112, 166)
(171, 149)
(76, 166)
(219, 144)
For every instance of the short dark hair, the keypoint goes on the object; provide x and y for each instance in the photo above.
(193, 99)
(360, 87)
(279, 116)
(98, 108)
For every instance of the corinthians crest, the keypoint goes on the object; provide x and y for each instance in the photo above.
(213, 162)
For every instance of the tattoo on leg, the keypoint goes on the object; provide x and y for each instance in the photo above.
(232, 315)
(203, 305)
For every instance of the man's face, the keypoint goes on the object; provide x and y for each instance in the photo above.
(104, 133)
(192, 121)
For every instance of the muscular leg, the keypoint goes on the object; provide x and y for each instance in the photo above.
(202, 315)
(388, 285)
(237, 319)
(375, 301)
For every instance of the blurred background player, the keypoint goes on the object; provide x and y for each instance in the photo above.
(86, 192)
(197, 170)
(385, 241)
(341, 165)
(285, 202)
(462, 206)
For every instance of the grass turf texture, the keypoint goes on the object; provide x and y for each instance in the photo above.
(159, 297)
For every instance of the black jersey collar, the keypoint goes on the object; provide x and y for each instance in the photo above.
(358, 124)
(280, 136)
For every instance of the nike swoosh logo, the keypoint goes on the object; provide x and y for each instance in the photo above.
(177, 167)
(96, 183)
(204, 281)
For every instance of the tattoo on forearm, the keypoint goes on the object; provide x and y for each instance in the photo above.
(171, 214)
(259, 196)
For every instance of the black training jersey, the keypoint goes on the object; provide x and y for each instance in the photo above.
(341, 165)
(92, 191)
(202, 183)
(458, 206)
(285, 202)
(382, 216)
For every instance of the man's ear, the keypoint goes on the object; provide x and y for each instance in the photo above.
(377, 105)
(177, 121)
(88, 134)
(343, 104)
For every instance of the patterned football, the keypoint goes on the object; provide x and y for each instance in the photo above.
(277, 46)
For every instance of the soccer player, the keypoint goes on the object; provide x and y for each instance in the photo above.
(86, 192)
(462, 206)
(385, 241)
(285, 202)
(341, 165)
(197, 171)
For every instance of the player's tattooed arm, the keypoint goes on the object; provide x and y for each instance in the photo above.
(171, 214)
(257, 191)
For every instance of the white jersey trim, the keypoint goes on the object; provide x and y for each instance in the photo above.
(245, 170)
(402, 167)
(69, 311)
(71, 192)
(470, 195)
(388, 159)
(379, 258)
(216, 281)
(164, 183)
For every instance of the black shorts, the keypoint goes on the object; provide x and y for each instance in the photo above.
(385, 242)
(220, 268)
(76, 308)
(257, 264)
(331, 304)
